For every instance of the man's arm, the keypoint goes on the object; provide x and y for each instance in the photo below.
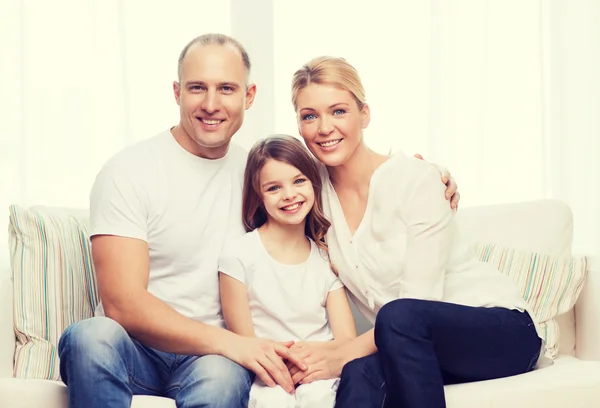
(122, 270)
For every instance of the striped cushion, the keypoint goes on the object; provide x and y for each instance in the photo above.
(54, 283)
(550, 284)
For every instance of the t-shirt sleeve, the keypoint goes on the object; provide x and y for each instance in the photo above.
(231, 265)
(118, 205)
(334, 283)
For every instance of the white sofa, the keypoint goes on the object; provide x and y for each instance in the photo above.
(542, 226)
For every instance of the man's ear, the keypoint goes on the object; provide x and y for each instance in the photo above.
(176, 91)
(366, 116)
(250, 94)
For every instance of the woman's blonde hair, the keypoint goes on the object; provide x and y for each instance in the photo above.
(329, 71)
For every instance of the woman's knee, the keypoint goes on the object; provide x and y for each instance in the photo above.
(402, 317)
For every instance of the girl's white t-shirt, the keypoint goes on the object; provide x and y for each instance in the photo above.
(287, 302)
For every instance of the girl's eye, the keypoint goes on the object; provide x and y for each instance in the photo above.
(300, 181)
(339, 112)
(272, 188)
(309, 116)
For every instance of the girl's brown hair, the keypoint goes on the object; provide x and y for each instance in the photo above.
(290, 150)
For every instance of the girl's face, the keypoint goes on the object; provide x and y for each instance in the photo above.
(330, 122)
(288, 195)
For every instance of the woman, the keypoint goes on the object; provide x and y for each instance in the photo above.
(440, 316)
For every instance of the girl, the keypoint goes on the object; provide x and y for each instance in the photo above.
(276, 281)
(440, 316)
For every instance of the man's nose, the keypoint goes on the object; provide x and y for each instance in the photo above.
(210, 103)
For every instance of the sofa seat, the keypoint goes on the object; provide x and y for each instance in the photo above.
(20, 393)
(569, 382)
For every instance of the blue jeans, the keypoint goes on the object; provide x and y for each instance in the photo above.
(423, 345)
(104, 367)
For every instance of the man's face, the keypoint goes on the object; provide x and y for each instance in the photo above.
(212, 96)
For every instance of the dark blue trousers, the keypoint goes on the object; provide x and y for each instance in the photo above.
(423, 345)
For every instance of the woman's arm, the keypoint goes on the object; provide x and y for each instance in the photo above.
(430, 237)
(235, 305)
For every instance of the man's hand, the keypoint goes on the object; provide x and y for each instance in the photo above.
(452, 193)
(266, 359)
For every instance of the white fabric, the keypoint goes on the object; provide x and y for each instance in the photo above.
(318, 394)
(184, 206)
(287, 302)
(568, 383)
(408, 245)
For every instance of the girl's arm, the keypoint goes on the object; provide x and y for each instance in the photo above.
(340, 317)
(235, 305)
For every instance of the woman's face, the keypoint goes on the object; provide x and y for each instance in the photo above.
(330, 122)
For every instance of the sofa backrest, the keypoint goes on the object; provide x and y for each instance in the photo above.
(543, 226)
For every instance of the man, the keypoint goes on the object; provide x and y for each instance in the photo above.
(160, 212)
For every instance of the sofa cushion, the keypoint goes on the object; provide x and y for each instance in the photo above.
(21, 393)
(569, 382)
(543, 226)
(550, 284)
(53, 283)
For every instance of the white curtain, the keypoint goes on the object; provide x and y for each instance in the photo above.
(79, 81)
(505, 93)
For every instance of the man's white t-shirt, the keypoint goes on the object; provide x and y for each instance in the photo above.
(185, 207)
(287, 302)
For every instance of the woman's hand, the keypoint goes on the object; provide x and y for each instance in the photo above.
(321, 362)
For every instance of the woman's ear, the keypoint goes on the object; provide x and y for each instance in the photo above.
(366, 116)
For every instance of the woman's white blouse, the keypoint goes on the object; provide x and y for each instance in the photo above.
(408, 245)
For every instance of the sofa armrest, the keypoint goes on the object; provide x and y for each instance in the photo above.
(7, 333)
(587, 315)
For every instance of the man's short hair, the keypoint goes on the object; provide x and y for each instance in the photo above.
(214, 38)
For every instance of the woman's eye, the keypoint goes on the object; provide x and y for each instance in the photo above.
(339, 112)
(310, 116)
